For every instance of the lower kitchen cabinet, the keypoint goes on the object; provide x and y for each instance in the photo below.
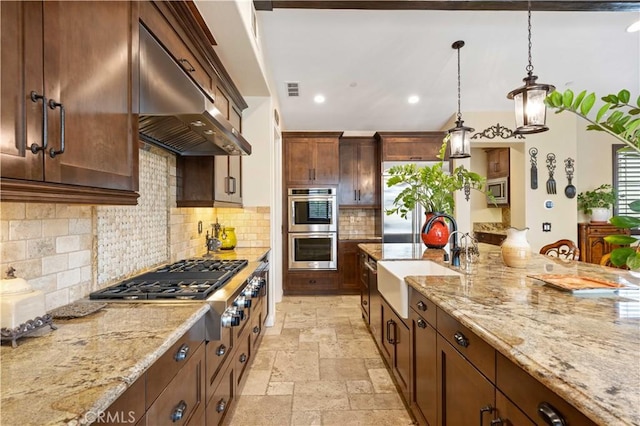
(424, 354)
(311, 282)
(396, 347)
(350, 265)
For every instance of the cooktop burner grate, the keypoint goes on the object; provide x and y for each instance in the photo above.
(189, 279)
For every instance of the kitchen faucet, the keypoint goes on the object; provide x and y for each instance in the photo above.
(454, 249)
(213, 242)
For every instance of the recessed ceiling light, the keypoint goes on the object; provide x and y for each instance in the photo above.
(318, 99)
(413, 99)
(634, 27)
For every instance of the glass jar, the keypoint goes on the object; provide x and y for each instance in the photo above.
(228, 238)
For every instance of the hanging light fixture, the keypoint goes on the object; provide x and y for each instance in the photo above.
(460, 136)
(531, 113)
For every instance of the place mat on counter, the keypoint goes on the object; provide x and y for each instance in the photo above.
(575, 283)
(76, 310)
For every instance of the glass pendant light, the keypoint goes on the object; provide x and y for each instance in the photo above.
(531, 113)
(459, 136)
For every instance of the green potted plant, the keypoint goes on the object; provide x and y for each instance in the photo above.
(432, 188)
(598, 202)
(619, 118)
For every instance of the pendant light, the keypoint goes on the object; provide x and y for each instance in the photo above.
(531, 113)
(459, 136)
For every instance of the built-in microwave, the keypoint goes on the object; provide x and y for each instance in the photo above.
(312, 210)
(313, 250)
(499, 189)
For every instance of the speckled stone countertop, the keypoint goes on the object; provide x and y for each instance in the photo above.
(363, 237)
(59, 377)
(584, 348)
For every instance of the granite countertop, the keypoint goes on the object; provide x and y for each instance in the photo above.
(584, 348)
(363, 237)
(61, 376)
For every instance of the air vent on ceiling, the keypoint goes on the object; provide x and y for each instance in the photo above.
(293, 88)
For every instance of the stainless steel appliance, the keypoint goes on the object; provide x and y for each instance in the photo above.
(395, 229)
(312, 210)
(499, 188)
(313, 250)
(175, 114)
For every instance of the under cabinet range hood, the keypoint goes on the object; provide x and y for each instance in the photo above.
(175, 114)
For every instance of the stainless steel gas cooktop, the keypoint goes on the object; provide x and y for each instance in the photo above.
(189, 279)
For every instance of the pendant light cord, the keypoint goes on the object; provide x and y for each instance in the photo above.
(459, 115)
(530, 66)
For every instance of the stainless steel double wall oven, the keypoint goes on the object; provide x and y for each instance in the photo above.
(313, 228)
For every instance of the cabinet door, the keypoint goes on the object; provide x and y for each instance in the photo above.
(464, 393)
(348, 188)
(402, 358)
(89, 65)
(21, 70)
(221, 178)
(387, 347)
(424, 356)
(298, 161)
(509, 413)
(375, 308)
(195, 181)
(235, 179)
(368, 174)
(348, 265)
(497, 162)
(326, 168)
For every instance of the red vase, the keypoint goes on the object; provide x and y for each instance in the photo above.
(438, 235)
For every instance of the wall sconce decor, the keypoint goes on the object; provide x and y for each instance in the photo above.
(531, 113)
(460, 136)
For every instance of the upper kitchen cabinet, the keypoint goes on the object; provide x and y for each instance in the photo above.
(359, 172)
(497, 163)
(209, 181)
(311, 158)
(68, 98)
(410, 146)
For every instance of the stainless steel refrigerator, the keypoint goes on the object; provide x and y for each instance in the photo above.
(395, 229)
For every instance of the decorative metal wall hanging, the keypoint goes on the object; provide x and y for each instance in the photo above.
(569, 190)
(533, 153)
(495, 131)
(551, 166)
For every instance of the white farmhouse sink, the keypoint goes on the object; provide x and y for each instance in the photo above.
(391, 282)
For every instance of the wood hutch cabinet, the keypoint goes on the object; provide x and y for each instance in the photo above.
(311, 158)
(591, 240)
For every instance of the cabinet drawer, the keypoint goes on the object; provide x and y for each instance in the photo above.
(472, 347)
(222, 397)
(164, 369)
(243, 356)
(129, 407)
(256, 323)
(423, 306)
(183, 397)
(528, 393)
(217, 352)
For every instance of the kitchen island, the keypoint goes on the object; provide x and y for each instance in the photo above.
(584, 348)
(70, 375)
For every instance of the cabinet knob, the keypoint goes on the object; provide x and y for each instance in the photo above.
(365, 303)
(187, 65)
(461, 339)
(497, 421)
(182, 353)
(256, 329)
(422, 323)
(221, 406)
(422, 306)
(221, 350)
(179, 411)
(243, 358)
(550, 415)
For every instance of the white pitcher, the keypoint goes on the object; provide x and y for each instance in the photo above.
(515, 249)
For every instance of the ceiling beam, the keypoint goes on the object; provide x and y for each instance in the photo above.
(539, 5)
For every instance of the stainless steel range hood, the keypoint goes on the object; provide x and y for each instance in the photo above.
(175, 114)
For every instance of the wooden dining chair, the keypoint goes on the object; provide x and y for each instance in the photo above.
(606, 261)
(563, 249)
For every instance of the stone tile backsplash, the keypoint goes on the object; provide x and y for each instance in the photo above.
(358, 222)
(68, 251)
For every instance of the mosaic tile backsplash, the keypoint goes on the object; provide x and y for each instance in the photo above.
(358, 222)
(134, 238)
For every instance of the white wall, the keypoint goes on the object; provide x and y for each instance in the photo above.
(257, 186)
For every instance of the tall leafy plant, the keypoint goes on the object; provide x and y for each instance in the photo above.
(619, 118)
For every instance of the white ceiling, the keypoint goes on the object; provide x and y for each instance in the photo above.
(367, 62)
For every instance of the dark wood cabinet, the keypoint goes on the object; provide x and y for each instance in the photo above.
(591, 240)
(57, 50)
(410, 146)
(490, 238)
(348, 267)
(465, 394)
(311, 282)
(209, 181)
(497, 162)
(396, 347)
(311, 158)
(359, 173)
(363, 278)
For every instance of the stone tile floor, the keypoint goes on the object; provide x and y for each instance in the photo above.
(318, 365)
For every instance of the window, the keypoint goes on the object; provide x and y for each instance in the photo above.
(626, 180)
